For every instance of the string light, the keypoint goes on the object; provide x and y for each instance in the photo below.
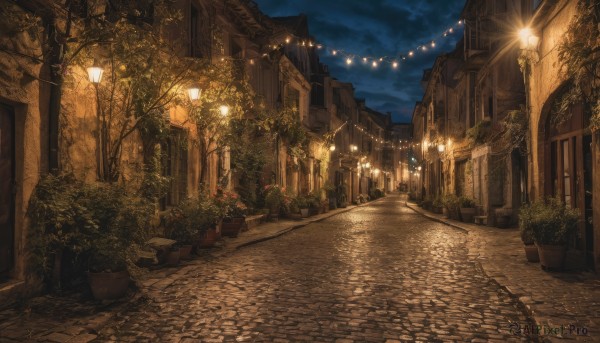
(393, 62)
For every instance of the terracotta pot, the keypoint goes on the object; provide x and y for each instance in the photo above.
(231, 227)
(467, 214)
(108, 285)
(172, 258)
(552, 256)
(304, 212)
(208, 238)
(531, 253)
(185, 252)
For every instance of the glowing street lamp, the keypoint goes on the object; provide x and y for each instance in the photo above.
(194, 93)
(441, 147)
(529, 41)
(353, 148)
(224, 109)
(332, 148)
(95, 74)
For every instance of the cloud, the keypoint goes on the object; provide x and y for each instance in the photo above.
(377, 28)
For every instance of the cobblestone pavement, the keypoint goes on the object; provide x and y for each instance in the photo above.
(375, 274)
(569, 300)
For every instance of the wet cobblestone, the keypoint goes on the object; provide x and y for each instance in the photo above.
(378, 273)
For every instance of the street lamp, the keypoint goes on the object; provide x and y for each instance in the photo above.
(224, 109)
(353, 148)
(332, 148)
(194, 93)
(529, 41)
(441, 147)
(95, 74)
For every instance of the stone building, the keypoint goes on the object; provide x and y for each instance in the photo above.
(469, 93)
(564, 158)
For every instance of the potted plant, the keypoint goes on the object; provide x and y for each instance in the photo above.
(451, 206)
(123, 221)
(235, 213)
(526, 229)
(331, 195)
(180, 228)
(438, 205)
(314, 203)
(302, 205)
(208, 216)
(427, 203)
(467, 209)
(273, 199)
(552, 224)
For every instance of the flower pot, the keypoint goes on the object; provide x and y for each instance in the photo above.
(232, 226)
(185, 252)
(108, 285)
(552, 256)
(208, 238)
(531, 253)
(445, 212)
(467, 214)
(304, 212)
(172, 259)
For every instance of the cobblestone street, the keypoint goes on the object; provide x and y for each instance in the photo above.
(380, 272)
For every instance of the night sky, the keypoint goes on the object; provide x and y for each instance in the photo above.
(378, 28)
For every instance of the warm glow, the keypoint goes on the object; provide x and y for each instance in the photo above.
(224, 109)
(364, 59)
(376, 171)
(368, 165)
(334, 52)
(374, 64)
(419, 168)
(95, 74)
(433, 44)
(441, 147)
(194, 93)
(353, 147)
(525, 33)
(411, 53)
(395, 65)
(348, 61)
(332, 148)
(288, 40)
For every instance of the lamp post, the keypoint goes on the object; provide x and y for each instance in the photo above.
(95, 76)
(529, 44)
(194, 93)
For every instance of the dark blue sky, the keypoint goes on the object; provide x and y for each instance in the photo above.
(378, 28)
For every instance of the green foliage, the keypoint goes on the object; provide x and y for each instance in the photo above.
(192, 216)
(579, 55)
(437, 202)
(285, 124)
(451, 202)
(274, 196)
(230, 203)
(547, 221)
(515, 131)
(100, 225)
(479, 133)
(466, 202)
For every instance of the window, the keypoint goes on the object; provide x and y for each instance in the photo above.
(175, 166)
(200, 40)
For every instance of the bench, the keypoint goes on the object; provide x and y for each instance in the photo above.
(479, 220)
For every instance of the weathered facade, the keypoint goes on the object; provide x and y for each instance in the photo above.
(564, 158)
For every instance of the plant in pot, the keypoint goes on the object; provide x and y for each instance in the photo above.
(331, 195)
(208, 217)
(451, 206)
(273, 199)
(178, 227)
(427, 203)
(438, 205)
(123, 225)
(467, 209)
(302, 205)
(526, 230)
(235, 212)
(314, 203)
(552, 224)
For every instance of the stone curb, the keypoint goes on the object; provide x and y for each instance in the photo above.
(525, 307)
(301, 225)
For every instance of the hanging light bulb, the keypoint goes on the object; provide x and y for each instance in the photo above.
(433, 44)
(332, 148)
(348, 61)
(288, 40)
(411, 53)
(374, 64)
(395, 65)
(334, 52)
(451, 30)
(364, 59)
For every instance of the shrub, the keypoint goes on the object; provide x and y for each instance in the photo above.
(466, 202)
(547, 221)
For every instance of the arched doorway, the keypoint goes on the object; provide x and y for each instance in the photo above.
(567, 157)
